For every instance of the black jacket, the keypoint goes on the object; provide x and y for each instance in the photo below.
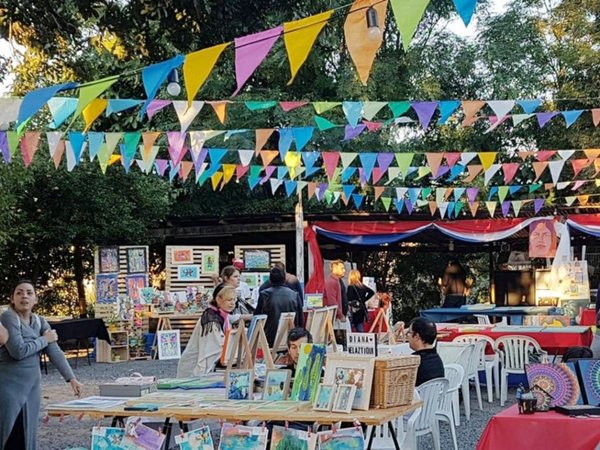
(276, 300)
(431, 365)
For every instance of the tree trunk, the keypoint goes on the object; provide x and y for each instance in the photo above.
(78, 270)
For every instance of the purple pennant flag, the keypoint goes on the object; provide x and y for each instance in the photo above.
(545, 117)
(537, 204)
(161, 165)
(155, 106)
(425, 111)
(409, 206)
(200, 159)
(362, 176)
(352, 132)
(320, 192)
(443, 170)
(268, 172)
(384, 160)
(176, 148)
(505, 208)
(472, 194)
(250, 51)
(4, 147)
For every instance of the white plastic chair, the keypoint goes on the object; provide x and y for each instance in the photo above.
(445, 413)
(464, 360)
(514, 351)
(424, 420)
(490, 364)
(482, 319)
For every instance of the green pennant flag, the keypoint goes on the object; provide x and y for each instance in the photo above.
(502, 193)
(323, 123)
(259, 106)
(131, 141)
(408, 14)
(321, 107)
(387, 201)
(404, 160)
(13, 142)
(89, 92)
(534, 187)
(425, 193)
(398, 108)
(457, 208)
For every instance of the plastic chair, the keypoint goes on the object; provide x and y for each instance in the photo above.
(514, 351)
(425, 421)
(482, 319)
(488, 363)
(464, 360)
(445, 413)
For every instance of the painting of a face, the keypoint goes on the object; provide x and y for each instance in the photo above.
(542, 239)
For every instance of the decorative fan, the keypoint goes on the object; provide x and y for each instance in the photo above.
(590, 377)
(558, 380)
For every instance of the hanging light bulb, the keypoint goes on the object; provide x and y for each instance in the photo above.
(373, 23)
(451, 245)
(173, 88)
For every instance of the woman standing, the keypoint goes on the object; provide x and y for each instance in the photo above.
(205, 345)
(20, 375)
(230, 276)
(358, 294)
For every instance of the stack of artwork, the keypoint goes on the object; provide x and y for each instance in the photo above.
(134, 436)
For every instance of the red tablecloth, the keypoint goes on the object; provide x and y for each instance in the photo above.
(552, 342)
(588, 317)
(547, 430)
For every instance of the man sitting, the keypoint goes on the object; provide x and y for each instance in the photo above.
(421, 338)
(296, 337)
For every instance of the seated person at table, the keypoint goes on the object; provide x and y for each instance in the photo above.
(296, 337)
(3, 335)
(421, 338)
(204, 348)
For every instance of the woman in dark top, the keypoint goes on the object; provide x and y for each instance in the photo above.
(358, 294)
(231, 277)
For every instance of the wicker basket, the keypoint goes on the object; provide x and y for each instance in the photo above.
(394, 380)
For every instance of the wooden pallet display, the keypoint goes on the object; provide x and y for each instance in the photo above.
(123, 270)
(276, 252)
(201, 256)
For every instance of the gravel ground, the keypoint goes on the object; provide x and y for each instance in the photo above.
(72, 432)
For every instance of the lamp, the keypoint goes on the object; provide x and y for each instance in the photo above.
(173, 88)
(451, 245)
(373, 23)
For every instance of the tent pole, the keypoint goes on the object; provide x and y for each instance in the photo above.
(299, 218)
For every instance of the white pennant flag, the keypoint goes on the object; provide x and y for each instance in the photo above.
(9, 111)
(186, 115)
(467, 157)
(71, 162)
(54, 138)
(336, 196)
(400, 192)
(147, 164)
(245, 156)
(570, 200)
(489, 174)
(275, 183)
(347, 159)
(491, 207)
(556, 168)
(197, 139)
(370, 109)
(501, 107)
(566, 154)
(442, 207)
(517, 207)
(518, 118)
(393, 173)
(562, 185)
(301, 185)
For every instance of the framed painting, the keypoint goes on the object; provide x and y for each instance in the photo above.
(289, 438)
(277, 384)
(134, 285)
(264, 277)
(257, 259)
(344, 397)
(355, 370)
(181, 255)
(107, 288)
(324, 398)
(308, 372)
(109, 259)
(188, 273)
(236, 437)
(210, 263)
(137, 260)
(313, 300)
(589, 371)
(251, 279)
(198, 439)
(558, 380)
(169, 344)
(239, 384)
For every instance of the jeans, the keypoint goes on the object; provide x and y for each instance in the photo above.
(359, 327)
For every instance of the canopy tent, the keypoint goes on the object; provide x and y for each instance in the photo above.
(369, 233)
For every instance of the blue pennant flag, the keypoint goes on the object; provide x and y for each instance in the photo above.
(515, 188)
(173, 171)
(282, 171)
(353, 112)
(117, 105)
(290, 187)
(493, 191)
(358, 199)
(348, 189)
(253, 182)
(155, 75)
(302, 136)
(571, 116)
(450, 210)
(216, 155)
(529, 106)
(456, 171)
(399, 205)
(447, 108)
(286, 137)
(77, 140)
(96, 139)
(61, 109)
(465, 9)
(367, 160)
(34, 100)
(413, 194)
(347, 173)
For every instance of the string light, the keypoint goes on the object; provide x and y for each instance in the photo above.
(173, 88)
(373, 23)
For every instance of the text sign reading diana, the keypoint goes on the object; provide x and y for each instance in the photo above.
(362, 344)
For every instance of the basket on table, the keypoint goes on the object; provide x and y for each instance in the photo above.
(394, 380)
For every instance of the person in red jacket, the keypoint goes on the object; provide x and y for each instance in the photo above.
(335, 295)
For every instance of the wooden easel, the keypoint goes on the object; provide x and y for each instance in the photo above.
(163, 324)
(286, 324)
(259, 340)
(327, 331)
(378, 324)
(240, 350)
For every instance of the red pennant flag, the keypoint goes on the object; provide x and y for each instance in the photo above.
(288, 106)
(596, 116)
(185, 169)
(452, 158)
(29, 145)
(372, 126)
(545, 155)
(240, 171)
(579, 165)
(377, 174)
(510, 170)
(330, 161)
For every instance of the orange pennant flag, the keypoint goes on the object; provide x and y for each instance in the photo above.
(592, 153)
(149, 138)
(432, 207)
(197, 67)
(579, 165)
(262, 136)
(29, 145)
(524, 155)
(363, 43)
(312, 187)
(268, 156)
(58, 153)
(447, 193)
(220, 109)
(596, 116)
(378, 191)
(434, 160)
(473, 206)
(596, 166)
(583, 199)
(185, 168)
(470, 108)
(474, 170)
(114, 159)
(299, 37)
(345, 199)
(539, 167)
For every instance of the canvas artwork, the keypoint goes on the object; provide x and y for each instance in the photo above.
(313, 300)
(257, 259)
(288, 438)
(542, 239)
(199, 439)
(107, 438)
(210, 263)
(277, 384)
(264, 277)
(344, 397)
(352, 369)
(109, 259)
(324, 398)
(134, 285)
(345, 438)
(235, 437)
(107, 288)
(147, 295)
(308, 372)
(139, 436)
(169, 346)
(259, 318)
(182, 256)
(188, 273)
(251, 279)
(558, 380)
(137, 260)
(589, 371)
(239, 384)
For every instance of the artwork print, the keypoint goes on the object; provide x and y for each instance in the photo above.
(251, 279)
(137, 260)
(210, 263)
(107, 438)
(188, 273)
(313, 300)
(308, 372)
(199, 439)
(324, 398)
(107, 288)
(344, 397)
(134, 285)
(169, 346)
(346, 438)
(589, 370)
(139, 436)
(109, 259)
(236, 437)
(558, 380)
(277, 384)
(182, 256)
(239, 384)
(542, 239)
(352, 369)
(286, 439)
(257, 259)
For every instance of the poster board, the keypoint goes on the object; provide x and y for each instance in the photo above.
(259, 258)
(190, 265)
(130, 260)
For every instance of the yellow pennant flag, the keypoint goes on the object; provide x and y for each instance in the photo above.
(487, 159)
(215, 179)
(92, 111)
(197, 67)
(220, 109)
(299, 37)
(114, 159)
(228, 171)
(292, 160)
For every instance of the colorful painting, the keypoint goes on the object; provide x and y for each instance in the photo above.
(199, 439)
(139, 436)
(251, 279)
(239, 384)
(107, 288)
(188, 273)
(236, 437)
(308, 372)
(277, 384)
(589, 371)
(313, 300)
(324, 398)
(288, 438)
(134, 285)
(352, 369)
(259, 318)
(147, 295)
(109, 259)
(346, 439)
(542, 239)
(182, 256)
(257, 259)
(344, 397)
(210, 263)
(169, 345)
(137, 260)
(107, 438)
(558, 380)
(264, 277)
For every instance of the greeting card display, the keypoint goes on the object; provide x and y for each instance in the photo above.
(355, 370)
(182, 256)
(239, 384)
(344, 397)
(289, 438)
(188, 273)
(134, 285)
(199, 439)
(257, 259)
(345, 438)
(324, 398)
(107, 438)
(138, 436)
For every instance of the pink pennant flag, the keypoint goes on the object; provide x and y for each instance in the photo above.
(250, 51)
(372, 126)
(161, 165)
(377, 174)
(155, 106)
(510, 170)
(452, 158)
(544, 155)
(330, 161)
(596, 116)
(425, 111)
(288, 106)
(176, 148)
(579, 165)
(29, 145)
(240, 171)
(578, 184)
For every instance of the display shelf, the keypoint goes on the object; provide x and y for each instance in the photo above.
(116, 351)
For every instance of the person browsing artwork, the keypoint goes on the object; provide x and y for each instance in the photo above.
(296, 337)
(335, 294)
(204, 347)
(454, 285)
(358, 294)
(230, 276)
(20, 375)
(422, 334)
